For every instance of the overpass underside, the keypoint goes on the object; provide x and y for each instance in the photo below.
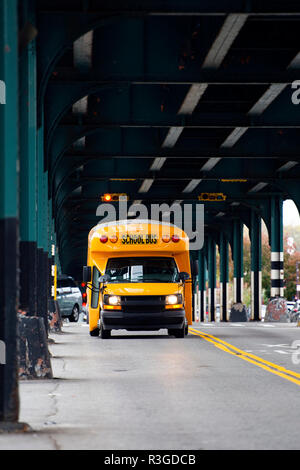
(162, 101)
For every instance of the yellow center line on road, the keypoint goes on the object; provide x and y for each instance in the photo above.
(258, 361)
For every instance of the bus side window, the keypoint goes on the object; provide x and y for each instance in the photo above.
(95, 288)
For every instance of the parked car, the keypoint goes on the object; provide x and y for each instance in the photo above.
(69, 298)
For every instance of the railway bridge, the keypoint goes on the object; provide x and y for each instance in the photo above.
(166, 102)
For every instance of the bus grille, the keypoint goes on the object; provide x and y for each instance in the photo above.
(143, 303)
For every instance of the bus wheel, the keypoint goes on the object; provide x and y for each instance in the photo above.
(104, 334)
(95, 332)
(180, 333)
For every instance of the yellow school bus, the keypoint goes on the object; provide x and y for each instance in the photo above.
(139, 278)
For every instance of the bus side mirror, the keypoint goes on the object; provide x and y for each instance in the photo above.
(87, 274)
(104, 278)
(195, 268)
(183, 276)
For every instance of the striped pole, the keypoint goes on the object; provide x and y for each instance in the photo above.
(255, 236)
(211, 279)
(277, 271)
(202, 283)
(53, 273)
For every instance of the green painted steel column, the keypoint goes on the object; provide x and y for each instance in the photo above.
(42, 230)
(276, 236)
(28, 168)
(224, 276)
(9, 236)
(255, 237)
(202, 283)
(238, 260)
(212, 272)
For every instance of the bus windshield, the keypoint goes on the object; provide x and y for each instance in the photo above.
(148, 269)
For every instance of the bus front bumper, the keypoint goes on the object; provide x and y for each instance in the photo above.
(118, 320)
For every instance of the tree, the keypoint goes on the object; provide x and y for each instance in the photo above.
(290, 261)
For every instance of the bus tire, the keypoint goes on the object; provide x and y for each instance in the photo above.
(104, 334)
(180, 333)
(95, 332)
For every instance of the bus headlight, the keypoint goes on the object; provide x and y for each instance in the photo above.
(174, 299)
(114, 300)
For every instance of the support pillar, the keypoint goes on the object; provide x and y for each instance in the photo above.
(224, 276)
(202, 283)
(238, 261)
(276, 236)
(255, 236)
(9, 236)
(212, 270)
(28, 169)
(42, 231)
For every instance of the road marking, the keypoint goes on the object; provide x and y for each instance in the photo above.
(247, 356)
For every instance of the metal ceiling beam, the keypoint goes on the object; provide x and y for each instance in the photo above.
(188, 105)
(162, 197)
(216, 77)
(257, 109)
(190, 102)
(205, 8)
(219, 49)
(89, 124)
(183, 154)
(183, 176)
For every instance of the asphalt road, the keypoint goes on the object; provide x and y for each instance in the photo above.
(223, 387)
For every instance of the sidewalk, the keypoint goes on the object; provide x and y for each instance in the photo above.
(49, 406)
